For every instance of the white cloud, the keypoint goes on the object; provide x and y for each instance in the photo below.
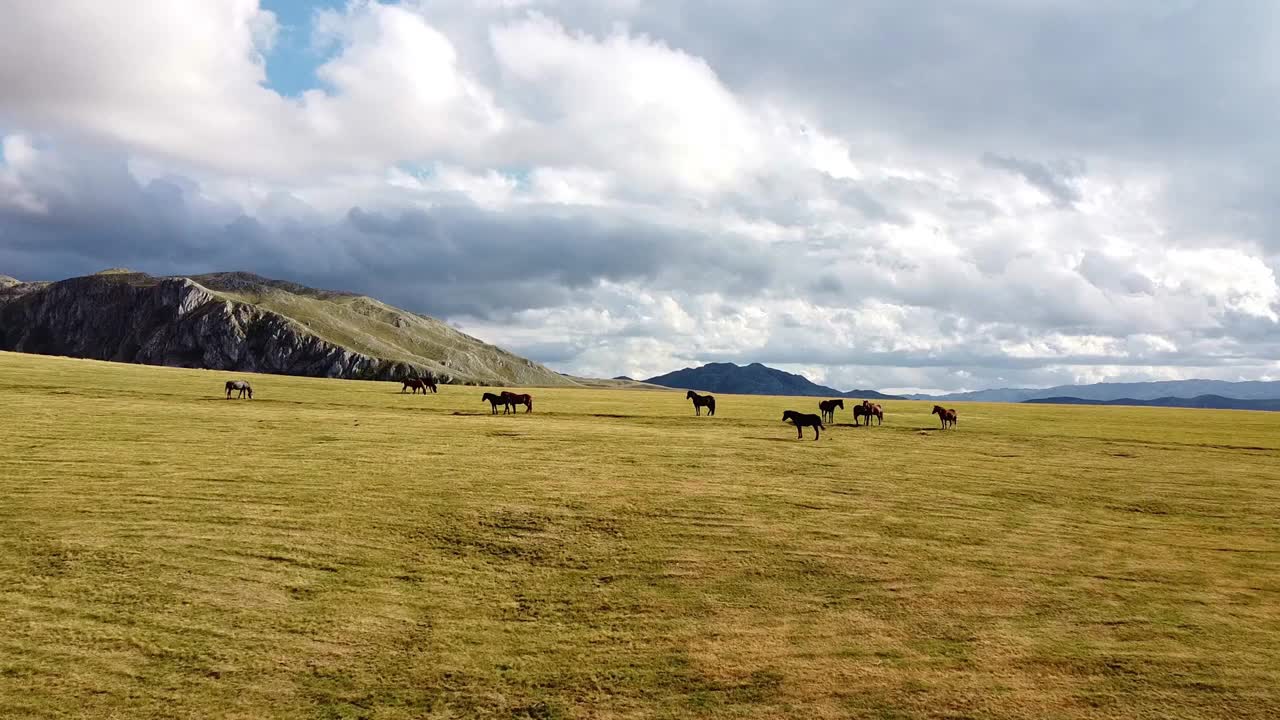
(665, 190)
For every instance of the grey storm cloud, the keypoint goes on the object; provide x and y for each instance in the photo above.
(457, 259)
(1057, 181)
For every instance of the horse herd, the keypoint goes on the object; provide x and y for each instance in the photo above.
(509, 401)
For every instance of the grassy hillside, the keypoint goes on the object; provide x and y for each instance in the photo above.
(368, 326)
(335, 549)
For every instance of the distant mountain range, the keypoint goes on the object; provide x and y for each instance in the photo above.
(755, 379)
(1186, 390)
(1216, 402)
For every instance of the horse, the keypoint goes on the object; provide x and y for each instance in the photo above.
(868, 410)
(241, 386)
(947, 416)
(828, 408)
(415, 383)
(862, 410)
(494, 401)
(513, 399)
(874, 410)
(701, 401)
(803, 421)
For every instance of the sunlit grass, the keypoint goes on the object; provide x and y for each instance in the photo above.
(338, 549)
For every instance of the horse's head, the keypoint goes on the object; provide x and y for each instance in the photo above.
(937, 410)
(787, 415)
(840, 404)
(689, 395)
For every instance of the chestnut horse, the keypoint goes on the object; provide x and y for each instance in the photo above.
(513, 399)
(828, 408)
(948, 417)
(876, 412)
(803, 421)
(241, 386)
(701, 401)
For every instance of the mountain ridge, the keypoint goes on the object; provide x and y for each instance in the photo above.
(1208, 402)
(1152, 390)
(754, 379)
(242, 321)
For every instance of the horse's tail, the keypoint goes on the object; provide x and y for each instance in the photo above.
(711, 405)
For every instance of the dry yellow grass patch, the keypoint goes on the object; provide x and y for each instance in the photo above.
(341, 550)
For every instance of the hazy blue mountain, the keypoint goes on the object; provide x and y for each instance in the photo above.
(1249, 390)
(754, 379)
(1216, 402)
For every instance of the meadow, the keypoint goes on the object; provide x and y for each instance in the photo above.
(337, 549)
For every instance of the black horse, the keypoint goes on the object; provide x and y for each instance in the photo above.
(495, 401)
(828, 408)
(802, 421)
(241, 386)
(702, 401)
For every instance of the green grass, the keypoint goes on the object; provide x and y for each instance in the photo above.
(339, 550)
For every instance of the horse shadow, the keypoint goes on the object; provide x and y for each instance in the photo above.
(776, 439)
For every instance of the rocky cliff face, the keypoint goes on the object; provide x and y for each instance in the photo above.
(132, 317)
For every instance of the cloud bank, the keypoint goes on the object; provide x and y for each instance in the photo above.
(899, 195)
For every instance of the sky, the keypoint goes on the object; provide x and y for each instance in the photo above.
(905, 195)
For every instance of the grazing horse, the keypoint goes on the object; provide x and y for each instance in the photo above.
(947, 416)
(701, 401)
(828, 408)
(513, 399)
(241, 386)
(803, 421)
(415, 383)
(494, 401)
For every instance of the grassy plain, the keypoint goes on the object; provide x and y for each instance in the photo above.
(340, 550)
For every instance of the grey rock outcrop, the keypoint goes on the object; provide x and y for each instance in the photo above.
(132, 317)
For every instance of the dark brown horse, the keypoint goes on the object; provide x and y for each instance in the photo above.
(947, 416)
(803, 421)
(828, 408)
(701, 401)
(862, 409)
(417, 384)
(494, 401)
(513, 399)
(241, 386)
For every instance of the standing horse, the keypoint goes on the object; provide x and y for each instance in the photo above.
(863, 410)
(415, 383)
(494, 401)
(948, 417)
(701, 401)
(241, 386)
(513, 399)
(828, 408)
(874, 410)
(803, 421)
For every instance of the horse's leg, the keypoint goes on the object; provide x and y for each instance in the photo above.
(815, 433)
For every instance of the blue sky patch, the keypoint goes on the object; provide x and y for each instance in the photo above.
(292, 62)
